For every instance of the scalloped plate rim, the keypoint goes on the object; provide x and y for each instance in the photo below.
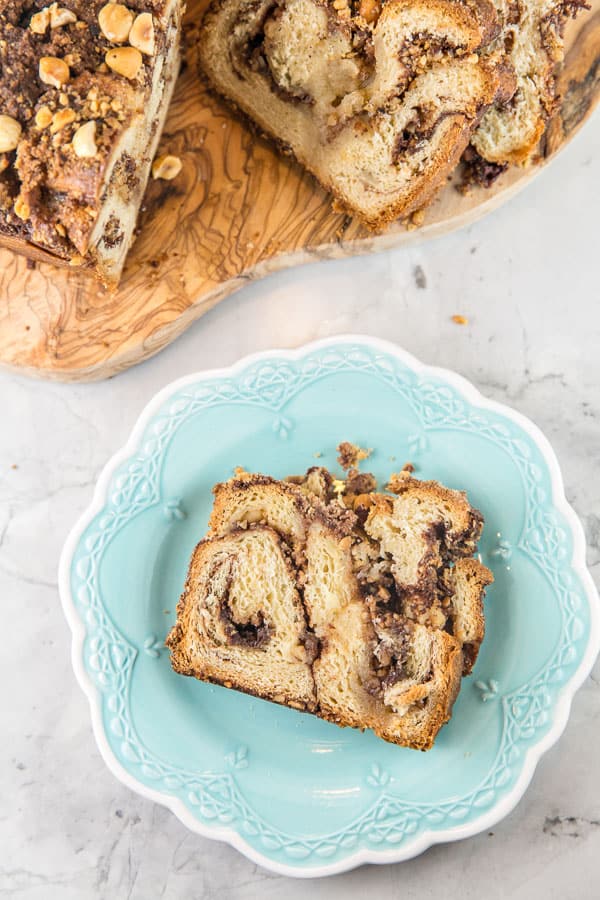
(427, 838)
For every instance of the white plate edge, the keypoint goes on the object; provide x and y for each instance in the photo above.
(413, 847)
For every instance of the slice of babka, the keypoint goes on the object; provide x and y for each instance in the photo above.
(377, 99)
(365, 608)
(531, 38)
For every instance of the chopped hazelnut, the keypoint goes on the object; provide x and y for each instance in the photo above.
(4, 164)
(61, 118)
(60, 229)
(40, 21)
(60, 16)
(124, 61)
(115, 22)
(43, 117)
(22, 208)
(84, 140)
(10, 132)
(53, 71)
(370, 10)
(166, 167)
(141, 35)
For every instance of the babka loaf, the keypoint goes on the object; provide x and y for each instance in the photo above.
(325, 595)
(84, 91)
(532, 39)
(377, 100)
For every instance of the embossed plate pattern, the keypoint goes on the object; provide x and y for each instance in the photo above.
(295, 794)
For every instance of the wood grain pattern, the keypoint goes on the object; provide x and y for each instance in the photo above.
(237, 211)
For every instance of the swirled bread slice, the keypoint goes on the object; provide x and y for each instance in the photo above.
(376, 668)
(241, 622)
(417, 532)
(320, 593)
(378, 101)
(383, 603)
(532, 40)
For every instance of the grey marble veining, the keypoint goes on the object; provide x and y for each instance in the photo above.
(528, 279)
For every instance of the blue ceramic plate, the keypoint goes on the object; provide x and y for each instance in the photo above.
(298, 795)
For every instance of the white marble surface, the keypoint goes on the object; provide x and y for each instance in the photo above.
(528, 279)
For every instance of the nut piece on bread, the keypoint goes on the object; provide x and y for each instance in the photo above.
(379, 105)
(84, 93)
(364, 608)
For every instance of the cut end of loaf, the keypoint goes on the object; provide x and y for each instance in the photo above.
(379, 98)
(85, 130)
(325, 595)
(378, 101)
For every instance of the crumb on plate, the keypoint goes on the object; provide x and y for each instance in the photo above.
(349, 455)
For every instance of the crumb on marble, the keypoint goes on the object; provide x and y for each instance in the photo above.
(420, 277)
(460, 320)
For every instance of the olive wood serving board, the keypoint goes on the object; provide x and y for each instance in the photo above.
(237, 211)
